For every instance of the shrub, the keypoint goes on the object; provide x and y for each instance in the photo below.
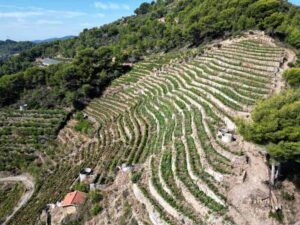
(95, 196)
(81, 187)
(135, 177)
(292, 76)
(83, 126)
(96, 210)
(274, 124)
(287, 196)
(79, 116)
(277, 215)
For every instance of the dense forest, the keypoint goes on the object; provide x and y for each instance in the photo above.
(159, 26)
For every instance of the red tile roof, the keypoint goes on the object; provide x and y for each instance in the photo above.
(74, 198)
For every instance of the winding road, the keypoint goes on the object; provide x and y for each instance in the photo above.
(28, 183)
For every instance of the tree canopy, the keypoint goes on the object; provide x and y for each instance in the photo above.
(276, 123)
(292, 76)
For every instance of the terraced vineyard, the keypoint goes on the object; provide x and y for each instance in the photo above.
(23, 135)
(166, 117)
(163, 115)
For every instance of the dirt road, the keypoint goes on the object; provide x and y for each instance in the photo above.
(28, 183)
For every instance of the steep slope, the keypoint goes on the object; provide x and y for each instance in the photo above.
(160, 26)
(167, 120)
(163, 117)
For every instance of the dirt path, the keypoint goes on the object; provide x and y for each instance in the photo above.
(28, 183)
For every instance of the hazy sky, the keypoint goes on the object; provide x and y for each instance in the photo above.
(42, 19)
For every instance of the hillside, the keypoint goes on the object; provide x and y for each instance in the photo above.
(163, 117)
(170, 120)
(163, 26)
(185, 113)
(9, 48)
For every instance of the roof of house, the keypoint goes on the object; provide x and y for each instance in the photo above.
(74, 198)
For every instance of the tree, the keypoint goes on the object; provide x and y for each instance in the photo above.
(35, 76)
(263, 8)
(276, 123)
(68, 77)
(270, 23)
(143, 9)
(294, 37)
(96, 210)
(285, 151)
(292, 76)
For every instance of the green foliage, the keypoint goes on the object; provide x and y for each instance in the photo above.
(287, 196)
(83, 125)
(276, 121)
(143, 9)
(135, 177)
(126, 214)
(263, 8)
(96, 210)
(64, 84)
(71, 223)
(285, 151)
(293, 77)
(95, 196)
(81, 187)
(9, 47)
(278, 215)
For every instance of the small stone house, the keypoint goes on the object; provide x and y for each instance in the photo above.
(75, 198)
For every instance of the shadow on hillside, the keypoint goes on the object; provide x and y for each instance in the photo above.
(290, 171)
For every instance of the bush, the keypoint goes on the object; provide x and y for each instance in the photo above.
(96, 210)
(81, 187)
(274, 124)
(95, 196)
(79, 116)
(292, 76)
(278, 215)
(135, 177)
(287, 196)
(83, 126)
